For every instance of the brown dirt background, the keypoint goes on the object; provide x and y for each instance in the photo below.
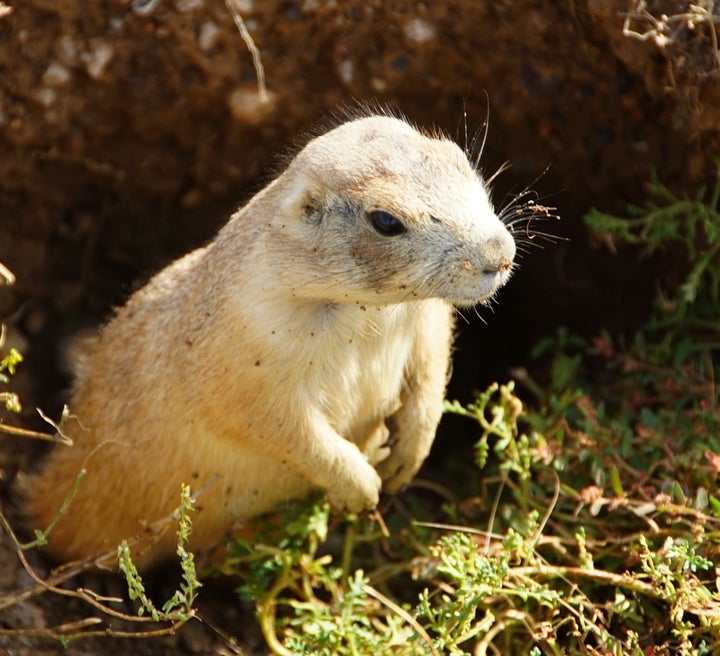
(129, 130)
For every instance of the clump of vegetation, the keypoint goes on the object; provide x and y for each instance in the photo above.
(180, 607)
(596, 529)
(173, 614)
(684, 327)
(10, 400)
(149, 620)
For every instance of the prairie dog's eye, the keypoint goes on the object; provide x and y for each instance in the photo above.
(385, 223)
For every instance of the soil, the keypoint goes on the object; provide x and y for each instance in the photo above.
(129, 129)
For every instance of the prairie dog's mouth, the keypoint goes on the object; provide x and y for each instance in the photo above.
(484, 287)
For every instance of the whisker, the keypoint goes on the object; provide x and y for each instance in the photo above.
(500, 169)
(472, 151)
(520, 201)
(486, 126)
(465, 127)
(460, 314)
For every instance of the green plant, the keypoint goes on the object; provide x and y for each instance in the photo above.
(685, 321)
(179, 608)
(325, 606)
(10, 400)
(174, 613)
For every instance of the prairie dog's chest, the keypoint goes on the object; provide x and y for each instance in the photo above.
(350, 361)
(367, 362)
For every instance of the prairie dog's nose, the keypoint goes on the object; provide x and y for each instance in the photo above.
(501, 251)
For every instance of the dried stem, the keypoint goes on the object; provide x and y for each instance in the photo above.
(234, 10)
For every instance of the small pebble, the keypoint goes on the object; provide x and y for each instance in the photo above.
(209, 33)
(96, 61)
(246, 105)
(419, 30)
(56, 75)
(184, 6)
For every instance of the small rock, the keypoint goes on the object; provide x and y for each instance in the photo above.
(56, 75)
(209, 33)
(247, 106)
(100, 55)
(419, 30)
(46, 96)
(243, 6)
(184, 6)
(144, 7)
(66, 50)
(346, 71)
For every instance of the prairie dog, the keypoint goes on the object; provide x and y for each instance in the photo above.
(307, 346)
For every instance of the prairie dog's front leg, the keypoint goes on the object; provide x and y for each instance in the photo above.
(336, 465)
(413, 426)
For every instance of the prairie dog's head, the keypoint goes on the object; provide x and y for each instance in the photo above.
(379, 213)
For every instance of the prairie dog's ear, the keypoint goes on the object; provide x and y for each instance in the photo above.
(311, 208)
(298, 194)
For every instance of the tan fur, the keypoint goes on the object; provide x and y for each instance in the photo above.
(276, 357)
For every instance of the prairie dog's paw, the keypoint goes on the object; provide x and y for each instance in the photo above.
(377, 447)
(398, 469)
(360, 491)
(397, 480)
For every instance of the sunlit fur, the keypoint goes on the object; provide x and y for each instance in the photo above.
(273, 360)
